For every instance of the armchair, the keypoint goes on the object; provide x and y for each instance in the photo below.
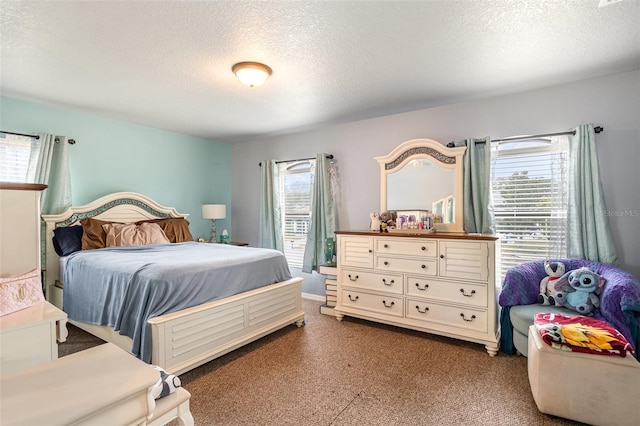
(619, 302)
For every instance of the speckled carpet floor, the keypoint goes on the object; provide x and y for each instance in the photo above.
(356, 372)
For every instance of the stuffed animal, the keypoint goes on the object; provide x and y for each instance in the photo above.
(388, 218)
(578, 290)
(375, 222)
(554, 271)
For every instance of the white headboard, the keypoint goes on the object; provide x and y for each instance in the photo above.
(123, 207)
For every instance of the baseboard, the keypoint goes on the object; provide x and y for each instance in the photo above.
(312, 296)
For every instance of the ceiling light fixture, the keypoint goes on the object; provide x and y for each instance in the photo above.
(252, 74)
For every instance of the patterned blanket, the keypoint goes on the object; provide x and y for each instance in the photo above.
(581, 334)
(619, 301)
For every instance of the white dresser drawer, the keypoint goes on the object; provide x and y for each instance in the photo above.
(407, 247)
(451, 316)
(388, 305)
(449, 291)
(391, 283)
(411, 266)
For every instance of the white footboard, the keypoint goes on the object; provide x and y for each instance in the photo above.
(189, 338)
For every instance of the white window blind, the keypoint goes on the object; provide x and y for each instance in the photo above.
(14, 158)
(296, 180)
(529, 183)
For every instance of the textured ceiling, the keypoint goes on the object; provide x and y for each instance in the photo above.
(168, 64)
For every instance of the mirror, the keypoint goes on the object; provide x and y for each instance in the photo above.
(422, 177)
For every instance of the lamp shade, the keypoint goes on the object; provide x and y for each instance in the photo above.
(214, 211)
(252, 74)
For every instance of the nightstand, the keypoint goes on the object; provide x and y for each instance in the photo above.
(29, 337)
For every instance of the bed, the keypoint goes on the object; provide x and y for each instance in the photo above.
(187, 333)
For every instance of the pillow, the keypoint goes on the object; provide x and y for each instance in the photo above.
(94, 236)
(67, 240)
(20, 292)
(166, 384)
(130, 234)
(176, 229)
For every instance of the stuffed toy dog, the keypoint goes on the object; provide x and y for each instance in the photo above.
(578, 290)
(554, 271)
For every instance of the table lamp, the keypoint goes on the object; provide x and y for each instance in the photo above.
(213, 212)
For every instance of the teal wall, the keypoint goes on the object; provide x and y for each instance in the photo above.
(174, 169)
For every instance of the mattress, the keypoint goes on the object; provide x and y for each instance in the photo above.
(123, 287)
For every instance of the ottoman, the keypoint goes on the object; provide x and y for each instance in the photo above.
(593, 389)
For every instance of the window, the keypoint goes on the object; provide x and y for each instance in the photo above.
(530, 184)
(14, 158)
(296, 180)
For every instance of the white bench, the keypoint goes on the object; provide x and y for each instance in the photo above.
(101, 385)
(170, 407)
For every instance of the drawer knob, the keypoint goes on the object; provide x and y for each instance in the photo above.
(370, 251)
(468, 320)
(386, 263)
(386, 246)
(390, 283)
(423, 248)
(353, 279)
(467, 295)
(390, 305)
(426, 286)
(353, 299)
(424, 266)
(442, 256)
(426, 308)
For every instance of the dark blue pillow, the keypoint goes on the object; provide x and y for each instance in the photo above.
(67, 240)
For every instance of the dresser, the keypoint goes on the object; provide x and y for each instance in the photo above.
(29, 336)
(437, 283)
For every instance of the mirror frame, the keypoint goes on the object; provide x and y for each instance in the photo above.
(438, 154)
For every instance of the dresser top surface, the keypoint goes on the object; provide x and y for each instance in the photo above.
(41, 312)
(419, 234)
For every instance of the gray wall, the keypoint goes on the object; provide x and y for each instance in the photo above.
(612, 102)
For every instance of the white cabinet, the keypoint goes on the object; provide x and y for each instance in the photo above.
(19, 228)
(442, 284)
(28, 336)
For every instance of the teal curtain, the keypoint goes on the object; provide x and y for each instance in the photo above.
(270, 232)
(588, 233)
(323, 214)
(477, 212)
(49, 165)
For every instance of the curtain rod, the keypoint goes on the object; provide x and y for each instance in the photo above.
(330, 157)
(596, 129)
(36, 137)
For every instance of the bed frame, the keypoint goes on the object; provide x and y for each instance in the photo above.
(184, 339)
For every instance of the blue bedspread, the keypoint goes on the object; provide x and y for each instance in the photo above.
(619, 301)
(123, 287)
